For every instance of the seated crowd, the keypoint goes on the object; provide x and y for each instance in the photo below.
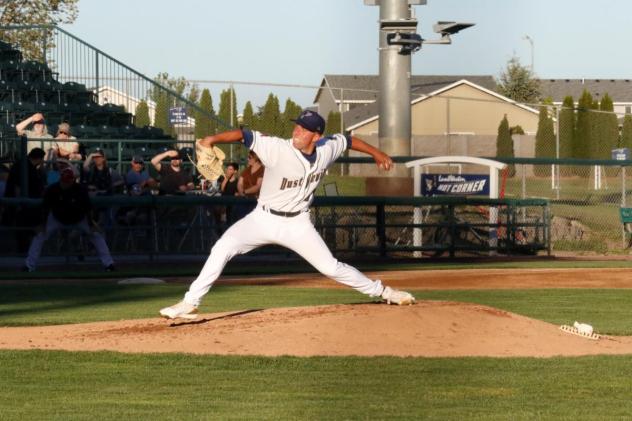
(59, 173)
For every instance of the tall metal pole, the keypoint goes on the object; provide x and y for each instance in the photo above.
(232, 123)
(528, 38)
(557, 153)
(394, 96)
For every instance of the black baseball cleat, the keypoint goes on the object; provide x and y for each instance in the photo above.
(27, 269)
(110, 268)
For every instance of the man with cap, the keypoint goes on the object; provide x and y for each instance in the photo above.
(68, 206)
(98, 176)
(294, 168)
(137, 178)
(174, 179)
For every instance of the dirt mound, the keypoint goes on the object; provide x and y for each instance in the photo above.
(429, 329)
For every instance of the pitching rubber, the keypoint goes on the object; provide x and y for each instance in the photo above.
(574, 331)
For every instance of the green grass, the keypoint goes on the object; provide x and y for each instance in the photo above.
(606, 309)
(60, 304)
(66, 386)
(56, 385)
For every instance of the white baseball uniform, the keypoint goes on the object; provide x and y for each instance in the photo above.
(282, 214)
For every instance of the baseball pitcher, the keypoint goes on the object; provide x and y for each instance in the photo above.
(294, 168)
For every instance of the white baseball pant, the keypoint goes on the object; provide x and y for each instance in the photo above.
(53, 225)
(297, 233)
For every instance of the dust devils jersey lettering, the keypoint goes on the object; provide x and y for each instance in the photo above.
(290, 176)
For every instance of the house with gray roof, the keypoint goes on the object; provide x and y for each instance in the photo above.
(356, 95)
(620, 90)
(346, 92)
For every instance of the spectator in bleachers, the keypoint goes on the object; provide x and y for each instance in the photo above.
(38, 131)
(25, 218)
(65, 147)
(174, 179)
(55, 167)
(138, 183)
(229, 188)
(137, 178)
(100, 178)
(249, 184)
(68, 206)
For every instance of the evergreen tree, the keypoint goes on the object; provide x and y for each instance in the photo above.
(518, 82)
(205, 125)
(248, 118)
(161, 116)
(504, 143)
(544, 141)
(141, 115)
(567, 127)
(626, 135)
(609, 128)
(270, 119)
(333, 123)
(292, 111)
(584, 127)
(224, 112)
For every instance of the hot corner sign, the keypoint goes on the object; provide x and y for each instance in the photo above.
(454, 184)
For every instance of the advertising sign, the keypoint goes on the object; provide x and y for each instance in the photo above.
(455, 184)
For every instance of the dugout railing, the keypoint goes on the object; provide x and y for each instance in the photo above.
(351, 226)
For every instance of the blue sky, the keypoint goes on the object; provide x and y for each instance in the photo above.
(298, 41)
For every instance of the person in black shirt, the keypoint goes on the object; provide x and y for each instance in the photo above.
(68, 206)
(173, 178)
(229, 188)
(25, 218)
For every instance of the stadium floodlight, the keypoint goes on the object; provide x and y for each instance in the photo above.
(446, 29)
(408, 42)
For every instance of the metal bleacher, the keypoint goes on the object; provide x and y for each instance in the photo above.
(69, 80)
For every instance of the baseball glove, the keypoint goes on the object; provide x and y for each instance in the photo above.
(210, 162)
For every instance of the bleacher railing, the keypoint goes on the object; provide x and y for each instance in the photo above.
(79, 65)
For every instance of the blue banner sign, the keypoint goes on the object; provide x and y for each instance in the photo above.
(178, 115)
(621, 154)
(455, 184)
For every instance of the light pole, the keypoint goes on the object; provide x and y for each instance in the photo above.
(528, 38)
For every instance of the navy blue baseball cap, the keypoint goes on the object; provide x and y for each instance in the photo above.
(311, 121)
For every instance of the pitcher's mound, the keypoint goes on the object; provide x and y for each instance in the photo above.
(429, 329)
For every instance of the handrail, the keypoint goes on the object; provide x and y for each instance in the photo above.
(506, 160)
(201, 199)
